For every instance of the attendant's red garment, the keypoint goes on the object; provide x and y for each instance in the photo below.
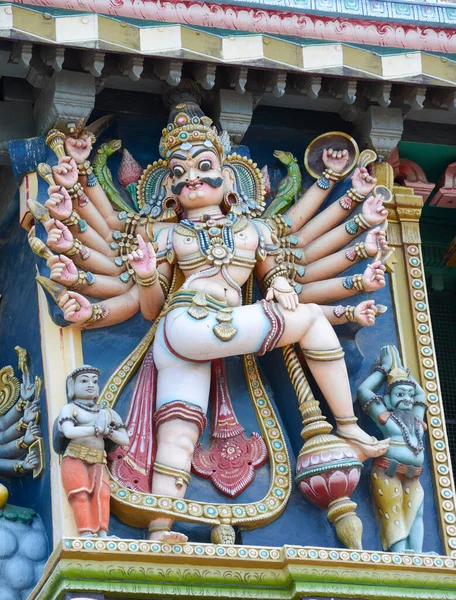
(88, 491)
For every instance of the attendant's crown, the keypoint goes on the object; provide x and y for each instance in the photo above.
(398, 376)
(187, 124)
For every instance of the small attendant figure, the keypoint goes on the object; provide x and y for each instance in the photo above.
(88, 427)
(396, 490)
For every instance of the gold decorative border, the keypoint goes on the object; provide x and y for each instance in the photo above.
(417, 344)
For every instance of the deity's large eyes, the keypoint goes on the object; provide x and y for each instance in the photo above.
(205, 165)
(178, 171)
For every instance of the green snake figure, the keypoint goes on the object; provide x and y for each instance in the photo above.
(104, 176)
(290, 186)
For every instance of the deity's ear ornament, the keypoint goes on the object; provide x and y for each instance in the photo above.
(152, 192)
(248, 184)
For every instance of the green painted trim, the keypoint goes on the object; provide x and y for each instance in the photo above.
(288, 573)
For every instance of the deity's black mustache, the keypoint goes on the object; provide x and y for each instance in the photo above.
(214, 182)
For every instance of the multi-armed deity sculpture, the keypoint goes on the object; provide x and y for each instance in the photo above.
(182, 257)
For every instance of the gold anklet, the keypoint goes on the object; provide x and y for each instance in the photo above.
(181, 476)
(346, 420)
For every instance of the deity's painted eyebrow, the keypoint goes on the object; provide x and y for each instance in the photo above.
(179, 156)
(200, 150)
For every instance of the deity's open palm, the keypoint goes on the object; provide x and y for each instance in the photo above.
(143, 260)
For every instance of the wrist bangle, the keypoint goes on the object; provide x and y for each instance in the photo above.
(76, 192)
(358, 282)
(350, 197)
(85, 168)
(268, 279)
(78, 248)
(21, 405)
(21, 444)
(358, 250)
(353, 281)
(21, 425)
(84, 278)
(72, 220)
(19, 467)
(147, 281)
(327, 176)
(99, 312)
(381, 370)
(345, 311)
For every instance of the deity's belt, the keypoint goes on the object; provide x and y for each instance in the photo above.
(195, 298)
(400, 470)
(92, 456)
(199, 306)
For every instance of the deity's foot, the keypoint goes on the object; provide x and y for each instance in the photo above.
(172, 537)
(89, 534)
(365, 446)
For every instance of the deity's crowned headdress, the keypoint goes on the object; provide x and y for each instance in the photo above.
(187, 124)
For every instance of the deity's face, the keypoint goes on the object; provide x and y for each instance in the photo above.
(86, 386)
(402, 396)
(197, 179)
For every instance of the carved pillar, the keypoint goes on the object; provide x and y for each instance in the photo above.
(69, 97)
(416, 340)
(380, 129)
(234, 112)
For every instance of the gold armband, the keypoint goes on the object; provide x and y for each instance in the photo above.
(147, 281)
(324, 355)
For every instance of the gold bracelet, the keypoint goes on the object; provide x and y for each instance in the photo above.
(331, 175)
(21, 405)
(85, 168)
(21, 444)
(361, 222)
(72, 220)
(360, 250)
(19, 467)
(78, 248)
(345, 311)
(99, 312)
(147, 281)
(84, 278)
(358, 283)
(21, 425)
(279, 271)
(355, 195)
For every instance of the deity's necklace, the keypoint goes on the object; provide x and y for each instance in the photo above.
(215, 239)
(94, 408)
(415, 448)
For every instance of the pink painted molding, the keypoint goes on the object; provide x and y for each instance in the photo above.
(273, 22)
(445, 196)
(410, 174)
